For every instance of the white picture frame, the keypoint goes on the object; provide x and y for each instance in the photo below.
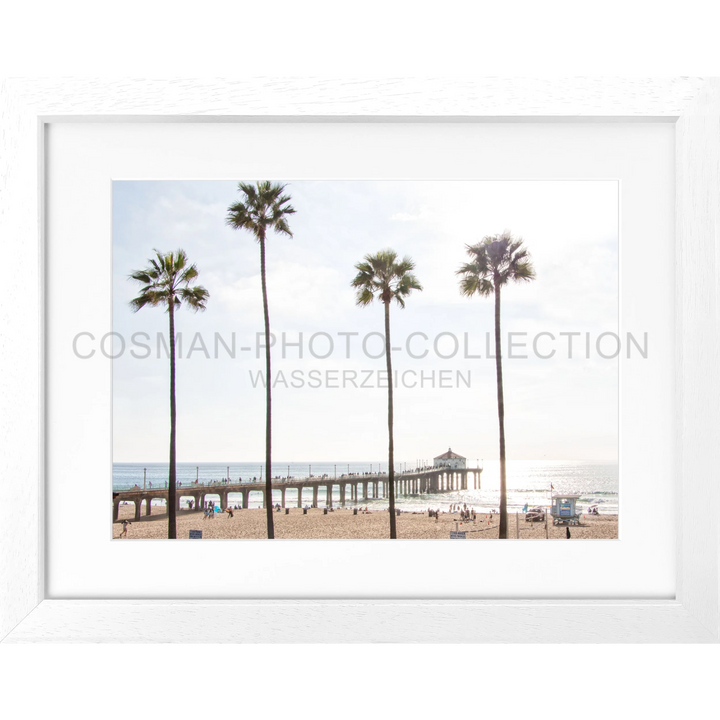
(693, 104)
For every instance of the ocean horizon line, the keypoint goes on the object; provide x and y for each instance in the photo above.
(594, 461)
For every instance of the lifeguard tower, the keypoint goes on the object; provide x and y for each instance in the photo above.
(564, 510)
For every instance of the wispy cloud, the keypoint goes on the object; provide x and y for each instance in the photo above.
(422, 214)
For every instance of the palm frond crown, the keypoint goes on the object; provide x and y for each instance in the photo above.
(383, 277)
(495, 261)
(262, 207)
(167, 279)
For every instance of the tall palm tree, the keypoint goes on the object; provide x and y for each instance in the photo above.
(263, 207)
(496, 261)
(381, 276)
(166, 282)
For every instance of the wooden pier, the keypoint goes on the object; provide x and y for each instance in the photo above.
(353, 489)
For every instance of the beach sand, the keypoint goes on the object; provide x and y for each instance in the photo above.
(342, 524)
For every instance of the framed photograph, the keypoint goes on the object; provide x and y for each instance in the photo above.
(256, 316)
(331, 362)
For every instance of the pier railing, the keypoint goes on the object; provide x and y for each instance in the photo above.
(353, 488)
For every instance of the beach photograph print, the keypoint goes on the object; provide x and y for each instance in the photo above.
(335, 359)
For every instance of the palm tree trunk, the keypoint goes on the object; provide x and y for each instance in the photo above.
(172, 521)
(268, 399)
(391, 448)
(501, 416)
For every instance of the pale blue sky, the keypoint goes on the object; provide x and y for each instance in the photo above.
(555, 409)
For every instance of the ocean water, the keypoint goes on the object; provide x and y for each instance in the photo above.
(528, 482)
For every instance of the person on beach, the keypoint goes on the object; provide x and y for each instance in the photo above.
(229, 511)
(567, 532)
(125, 525)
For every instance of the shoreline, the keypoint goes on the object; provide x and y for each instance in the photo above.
(342, 524)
